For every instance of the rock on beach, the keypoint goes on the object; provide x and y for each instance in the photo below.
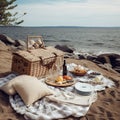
(14, 44)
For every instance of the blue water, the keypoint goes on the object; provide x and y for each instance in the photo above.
(86, 39)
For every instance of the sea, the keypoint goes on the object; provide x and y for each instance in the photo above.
(95, 40)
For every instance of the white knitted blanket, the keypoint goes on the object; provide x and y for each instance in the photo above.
(49, 108)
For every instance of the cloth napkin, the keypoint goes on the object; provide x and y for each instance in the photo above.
(72, 98)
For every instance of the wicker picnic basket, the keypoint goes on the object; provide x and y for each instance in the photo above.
(37, 62)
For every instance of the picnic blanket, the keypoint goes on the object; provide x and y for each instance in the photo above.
(52, 107)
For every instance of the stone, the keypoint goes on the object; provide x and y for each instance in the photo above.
(7, 40)
(20, 43)
(91, 57)
(118, 59)
(117, 69)
(64, 48)
(81, 56)
(107, 67)
(108, 58)
(71, 55)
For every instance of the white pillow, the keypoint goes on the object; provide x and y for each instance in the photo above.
(8, 87)
(31, 90)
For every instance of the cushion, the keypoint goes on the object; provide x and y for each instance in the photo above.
(8, 87)
(31, 90)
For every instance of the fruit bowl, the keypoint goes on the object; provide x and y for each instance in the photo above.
(79, 73)
(78, 70)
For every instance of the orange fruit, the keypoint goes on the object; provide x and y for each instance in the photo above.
(66, 77)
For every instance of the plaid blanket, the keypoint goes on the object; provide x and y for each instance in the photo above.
(48, 109)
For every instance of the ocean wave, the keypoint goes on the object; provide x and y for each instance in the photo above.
(112, 40)
(90, 40)
(49, 40)
(64, 40)
(98, 44)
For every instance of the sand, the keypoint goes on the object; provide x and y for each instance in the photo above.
(107, 107)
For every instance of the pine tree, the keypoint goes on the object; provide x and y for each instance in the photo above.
(6, 17)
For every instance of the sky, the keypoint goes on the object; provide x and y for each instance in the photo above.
(88, 13)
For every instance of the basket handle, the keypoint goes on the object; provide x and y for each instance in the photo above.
(49, 64)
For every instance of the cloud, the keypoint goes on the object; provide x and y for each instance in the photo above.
(87, 13)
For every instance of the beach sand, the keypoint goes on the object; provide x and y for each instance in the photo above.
(107, 106)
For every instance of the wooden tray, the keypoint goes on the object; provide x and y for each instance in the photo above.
(53, 83)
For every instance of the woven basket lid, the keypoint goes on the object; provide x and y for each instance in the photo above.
(35, 54)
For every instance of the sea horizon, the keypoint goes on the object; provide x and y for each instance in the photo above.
(63, 26)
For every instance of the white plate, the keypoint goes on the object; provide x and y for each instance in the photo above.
(83, 88)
